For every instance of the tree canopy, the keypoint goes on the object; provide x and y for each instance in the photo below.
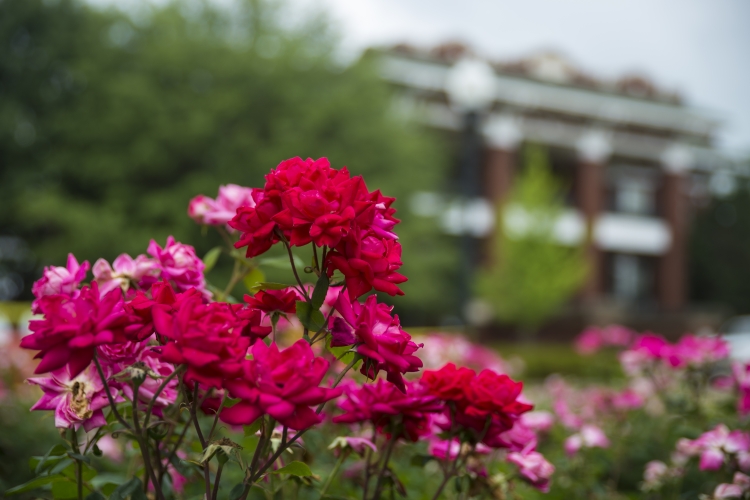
(112, 122)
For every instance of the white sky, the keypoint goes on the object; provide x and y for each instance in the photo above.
(700, 48)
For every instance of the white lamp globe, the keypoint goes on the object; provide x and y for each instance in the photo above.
(471, 85)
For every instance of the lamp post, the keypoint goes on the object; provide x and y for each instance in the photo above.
(471, 89)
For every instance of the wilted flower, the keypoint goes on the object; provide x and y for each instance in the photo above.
(205, 210)
(76, 400)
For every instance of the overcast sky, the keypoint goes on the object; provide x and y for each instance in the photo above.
(700, 48)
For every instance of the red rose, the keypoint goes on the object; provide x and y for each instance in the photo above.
(449, 383)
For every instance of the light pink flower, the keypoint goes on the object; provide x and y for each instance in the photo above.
(124, 271)
(656, 471)
(590, 436)
(538, 421)
(110, 448)
(358, 444)
(449, 450)
(740, 485)
(60, 280)
(534, 468)
(76, 401)
(205, 210)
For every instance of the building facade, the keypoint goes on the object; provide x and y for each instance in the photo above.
(636, 160)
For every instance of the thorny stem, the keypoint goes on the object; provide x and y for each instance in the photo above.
(216, 417)
(216, 482)
(109, 396)
(386, 458)
(291, 261)
(157, 393)
(315, 256)
(206, 474)
(225, 237)
(142, 438)
(79, 465)
(333, 473)
(368, 457)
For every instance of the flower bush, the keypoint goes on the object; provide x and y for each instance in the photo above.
(151, 358)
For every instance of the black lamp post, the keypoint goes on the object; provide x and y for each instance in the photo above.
(471, 89)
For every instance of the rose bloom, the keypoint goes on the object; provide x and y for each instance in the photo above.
(73, 327)
(124, 270)
(383, 404)
(533, 468)
(283, 384)
(59, 280)
(448, 383)
(268, 301)
(180, 265)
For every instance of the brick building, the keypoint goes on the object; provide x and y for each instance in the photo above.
(636, 160)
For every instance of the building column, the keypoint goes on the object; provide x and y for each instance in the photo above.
(672, 276)
(502, 136)
(593, 151)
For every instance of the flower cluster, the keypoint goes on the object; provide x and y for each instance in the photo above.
(593, 338)
(487, 410)
(176, 263)
(307, 201)
(690, 351)
(146, 332)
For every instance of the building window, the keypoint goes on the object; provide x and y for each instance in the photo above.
(632, 278)
(634, 196)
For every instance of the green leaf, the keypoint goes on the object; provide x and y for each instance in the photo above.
(80, 457)
(253, 278)
(268, 286)
(251, 429)
(321, 289)
(237, 491)
(54, 455)
(345, 354)
(65, 490)
(133, 489)
(281, 262)
(210, 259)
(312, 319)
(35, 483)
(298, 469)
(96, 496)
(421, 460)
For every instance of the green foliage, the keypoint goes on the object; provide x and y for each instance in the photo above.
(720, 239)
(532, 275)
(109, 125)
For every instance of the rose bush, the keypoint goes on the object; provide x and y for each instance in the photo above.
(152, 354)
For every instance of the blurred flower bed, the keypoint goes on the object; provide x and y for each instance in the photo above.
(668, 423)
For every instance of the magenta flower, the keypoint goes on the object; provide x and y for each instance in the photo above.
(76, 400)
(180, 265)
(73, 327)
(125, 270)
(59, 280)
(389, 409)
(533, 468)
(741, 374)
(205, 337)
(380, 338)
(696, 351)
(714, 445)
(284, 384)
(739, 486)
